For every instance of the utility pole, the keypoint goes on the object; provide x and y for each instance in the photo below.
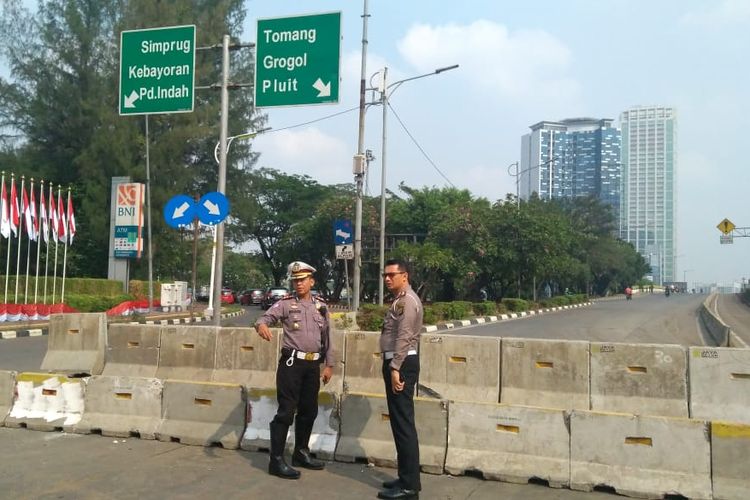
(218, 273)
(359, 168)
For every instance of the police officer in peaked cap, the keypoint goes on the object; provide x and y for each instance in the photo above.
(306, 345)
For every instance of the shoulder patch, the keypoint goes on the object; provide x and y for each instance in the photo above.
(399, 307)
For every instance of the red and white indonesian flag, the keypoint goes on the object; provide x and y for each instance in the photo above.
(62, 229)
(71, 219)
(52, 215)
(26, 211)
(14, 216)
(4, 215)
(34, 235)
(43, 219)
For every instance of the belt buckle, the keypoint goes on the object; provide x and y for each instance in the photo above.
(309, 356)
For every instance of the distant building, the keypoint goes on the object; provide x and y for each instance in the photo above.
(571, 158)
(648, 198)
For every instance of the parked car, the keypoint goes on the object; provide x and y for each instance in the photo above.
(250, 296)
(202, 293)
(227, 296)
(272, 295)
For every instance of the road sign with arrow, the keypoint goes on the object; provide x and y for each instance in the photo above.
(157, 70)
(212, 208)
(298, 60)
(179, 211)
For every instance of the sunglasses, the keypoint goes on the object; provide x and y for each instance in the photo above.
(391, 275)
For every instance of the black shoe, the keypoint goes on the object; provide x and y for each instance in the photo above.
(398, 493)
(303, 458)
(277, 466)
(393, 483)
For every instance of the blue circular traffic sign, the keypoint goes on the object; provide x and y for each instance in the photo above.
(212, 208)
(179, 211)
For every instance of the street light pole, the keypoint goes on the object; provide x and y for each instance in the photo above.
(384, 102)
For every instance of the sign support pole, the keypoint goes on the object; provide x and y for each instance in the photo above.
(148, 217)
(218, 273)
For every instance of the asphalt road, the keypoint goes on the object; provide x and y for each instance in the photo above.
(54, 465)
(735, 314)
(648, 318)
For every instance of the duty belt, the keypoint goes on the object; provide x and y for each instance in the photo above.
(389, 354)
(307, 356)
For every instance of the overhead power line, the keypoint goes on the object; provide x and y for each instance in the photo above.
(424, 153)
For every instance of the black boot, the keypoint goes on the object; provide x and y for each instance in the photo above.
(301, 456)
(277, 466)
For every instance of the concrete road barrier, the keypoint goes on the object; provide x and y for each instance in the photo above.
(132, 350)
(122, 407)
(639, 455)
(202, 413)
(508, 443)
(730, 449)
(262, 407)
(645, 379)
(46, 402)
(547, 373)
(187, 353)
(366, 431)
(243, 357)
(363, 364)
(336, 384)
(7, 390)
(76, 344)
(720, 384)
(449, 365)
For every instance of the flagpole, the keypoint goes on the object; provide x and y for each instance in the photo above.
(1, 201)
(30, 234)
(54, 234)
(10, 236)
(46, 255)
(38, 238)
(65, 254)
(18, 251)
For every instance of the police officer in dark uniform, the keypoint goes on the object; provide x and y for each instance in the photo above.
(398, 343)
(306, 346)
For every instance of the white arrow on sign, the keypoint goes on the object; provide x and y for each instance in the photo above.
(180, 211)
(344, 235)
(213, 208)
(130, 99)
(324, 89)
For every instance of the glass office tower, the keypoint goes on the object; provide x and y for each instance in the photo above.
(571, 158)
(648, 198)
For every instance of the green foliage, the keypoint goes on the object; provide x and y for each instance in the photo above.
(515, 305)
(84, 286)
(430, 316)
(485, 308)
(94, 303)
(370, 317)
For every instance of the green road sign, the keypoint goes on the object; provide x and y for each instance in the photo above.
(297, 60)
(157, 70)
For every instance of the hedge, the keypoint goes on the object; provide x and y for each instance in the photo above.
(83, 286)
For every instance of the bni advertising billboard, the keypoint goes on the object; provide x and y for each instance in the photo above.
(129, 220)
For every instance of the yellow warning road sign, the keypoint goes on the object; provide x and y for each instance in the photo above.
(726, 226)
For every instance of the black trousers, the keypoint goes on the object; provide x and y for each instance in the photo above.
(401, 412)
(297, 389)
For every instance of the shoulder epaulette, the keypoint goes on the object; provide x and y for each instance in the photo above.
(287, 297)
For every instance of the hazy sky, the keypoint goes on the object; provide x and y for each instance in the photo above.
(521, 63)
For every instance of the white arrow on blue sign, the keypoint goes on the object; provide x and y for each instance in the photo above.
(342, 232)
(179, 211)
(212, 208)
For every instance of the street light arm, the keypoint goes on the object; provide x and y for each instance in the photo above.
(247, 135)
(397, 84)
